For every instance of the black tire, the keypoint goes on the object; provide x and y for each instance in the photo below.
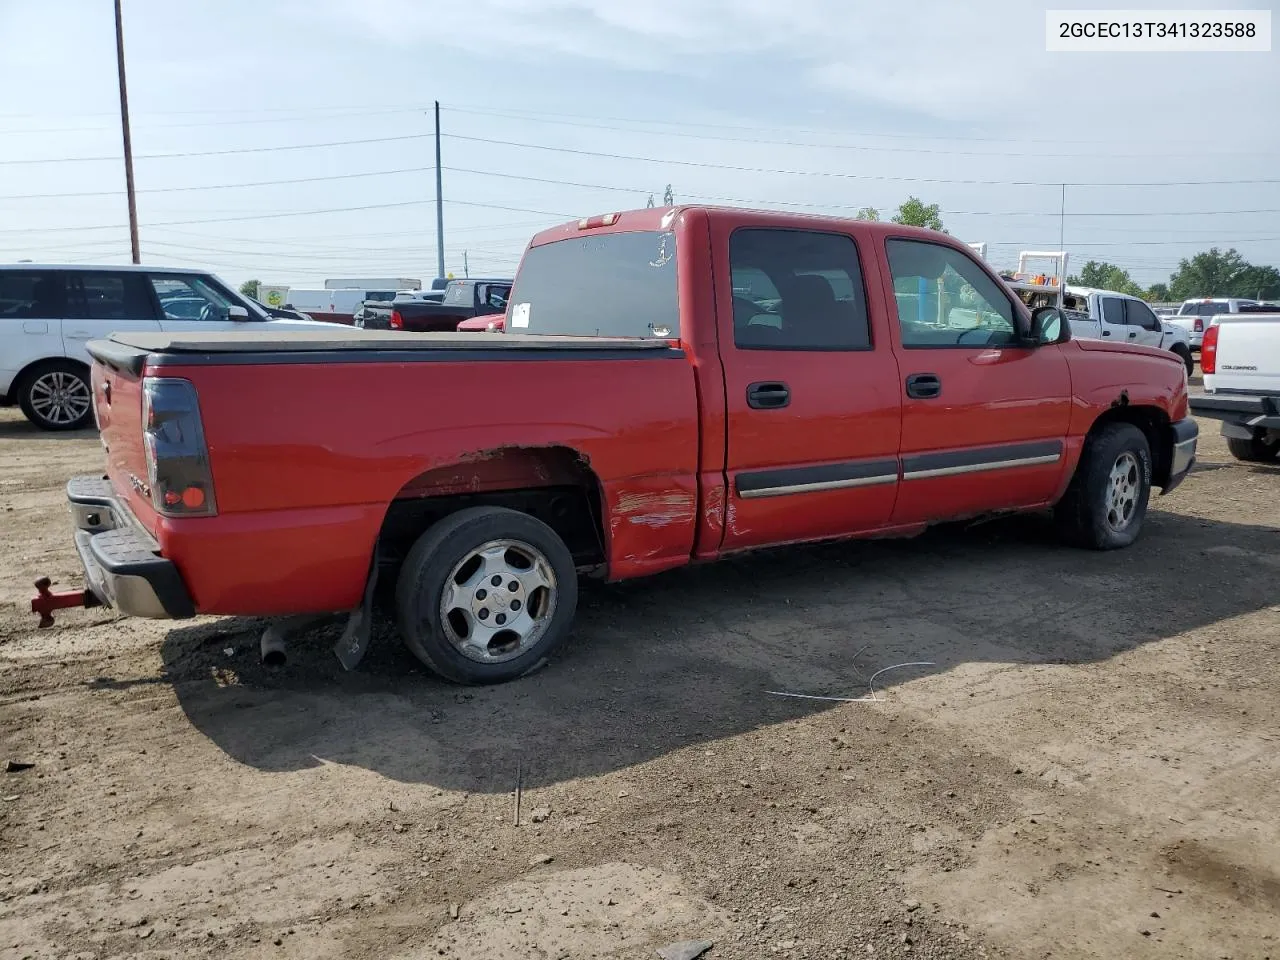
(57, 395)
(1254, 450)
(437, 639)
(1188, 360)
(1087, 515)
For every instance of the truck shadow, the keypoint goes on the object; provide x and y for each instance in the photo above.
(687, 658)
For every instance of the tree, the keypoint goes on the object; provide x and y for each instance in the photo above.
(1106, 276)
(915, 213)
(1260, 283)
(867, 213)
(1209, 274)
(1157, 293)
(250, 288)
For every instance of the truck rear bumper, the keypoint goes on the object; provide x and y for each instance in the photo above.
(1241, 410)
(122, 564)
(1185, 434)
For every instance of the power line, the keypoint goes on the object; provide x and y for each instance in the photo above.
(297, 213)
(223, 186)
(852, 146)
(223, 153)
(847, 176)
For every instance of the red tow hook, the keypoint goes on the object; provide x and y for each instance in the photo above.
(46, 601)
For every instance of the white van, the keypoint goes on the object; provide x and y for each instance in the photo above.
(49, 312)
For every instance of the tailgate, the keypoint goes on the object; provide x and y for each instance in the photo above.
(1248, 354)
(117, 396)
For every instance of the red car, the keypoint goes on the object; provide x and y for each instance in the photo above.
(489, 323)
(673, 386)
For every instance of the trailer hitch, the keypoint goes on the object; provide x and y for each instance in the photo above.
(46, 601)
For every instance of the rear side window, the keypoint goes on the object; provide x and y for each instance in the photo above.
(607, 285)
(1112, 310)
(31, 295)
(797, 290)
(109, 296)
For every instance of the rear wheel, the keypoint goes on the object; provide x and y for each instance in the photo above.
(486, 594)
(56, 396)
(1106, 502)
(1255, 449)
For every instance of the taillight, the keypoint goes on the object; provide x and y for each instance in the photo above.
(397, 321)
(178, 468)
(1209, 350)
(1198, 326)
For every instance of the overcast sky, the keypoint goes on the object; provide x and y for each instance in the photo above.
(554, 110)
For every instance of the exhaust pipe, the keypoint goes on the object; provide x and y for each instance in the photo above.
(272, 647)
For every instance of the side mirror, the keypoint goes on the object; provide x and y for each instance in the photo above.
(1048, 326)
(237, 313)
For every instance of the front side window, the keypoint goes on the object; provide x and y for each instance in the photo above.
(31, 295)
(1139, 314)
(496, 297)
(945, 299)
(602, 285)
(189, 298)
(797, 290)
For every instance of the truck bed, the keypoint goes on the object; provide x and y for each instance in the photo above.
(129, 351)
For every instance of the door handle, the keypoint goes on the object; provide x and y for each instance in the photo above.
(924, 386)
(1132, 334)
(768, 395)
(1106, 333)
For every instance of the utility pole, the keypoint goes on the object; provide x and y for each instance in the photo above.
(439, 201)
(128, 144)
(1062, 222)
(466, 269)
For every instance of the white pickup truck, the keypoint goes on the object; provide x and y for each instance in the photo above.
(1240, 357)
(1194, 315)
(1108, 315)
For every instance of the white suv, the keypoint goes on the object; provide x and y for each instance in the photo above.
(48, 313)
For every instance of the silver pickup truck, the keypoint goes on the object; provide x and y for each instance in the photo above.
(1240, 358)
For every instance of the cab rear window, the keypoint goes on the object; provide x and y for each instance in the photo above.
(607, 285)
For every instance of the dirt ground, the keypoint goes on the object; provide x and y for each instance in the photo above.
(1086, 768)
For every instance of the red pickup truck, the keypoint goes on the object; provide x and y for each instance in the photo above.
(672, 386)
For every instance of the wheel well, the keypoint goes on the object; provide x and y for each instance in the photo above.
(20, 381)
(554, 484)
(1154, 423)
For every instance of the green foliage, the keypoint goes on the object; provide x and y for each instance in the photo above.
(1105, 276)
(915, 213)
(1157, 293)
(250, 288)
(867, 213)
(1215, 273)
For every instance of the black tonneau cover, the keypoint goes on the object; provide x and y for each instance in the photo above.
(131, 351)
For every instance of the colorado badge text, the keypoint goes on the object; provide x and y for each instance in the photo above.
(1158, 31)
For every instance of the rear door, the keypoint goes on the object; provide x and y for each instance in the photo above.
(103, 302)
(32, 305)
(1111, 315)
(984, 419)
(811, 386)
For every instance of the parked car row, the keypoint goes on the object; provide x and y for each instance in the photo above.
(636, 417)
(49, 313)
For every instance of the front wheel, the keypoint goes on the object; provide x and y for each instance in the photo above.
(1107, 500)
(1187, 359)
(486, 594)
(56, 396)
(1255, 449)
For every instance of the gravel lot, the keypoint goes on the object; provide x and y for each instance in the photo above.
(1088, 769)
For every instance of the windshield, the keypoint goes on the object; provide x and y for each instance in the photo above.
(607, 285)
